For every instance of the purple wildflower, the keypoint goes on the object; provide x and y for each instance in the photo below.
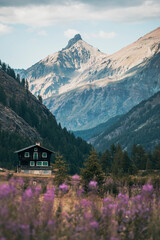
(75, 178)
(49, 195)
(92, 185)
(63, 187)
(147, 188)
(80, 192)
(94, 224)
(28, 193)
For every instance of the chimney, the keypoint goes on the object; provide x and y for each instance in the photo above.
(38, 143)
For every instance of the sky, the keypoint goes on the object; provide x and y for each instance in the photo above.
(30, 30)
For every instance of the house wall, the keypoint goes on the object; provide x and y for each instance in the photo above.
(38, 172)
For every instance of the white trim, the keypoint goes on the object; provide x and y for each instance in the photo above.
(32, 162)
(27, 153)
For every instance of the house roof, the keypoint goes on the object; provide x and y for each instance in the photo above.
(32, 146)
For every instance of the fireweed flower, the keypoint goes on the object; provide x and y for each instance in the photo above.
(63, 187)
(49, 195)
(92, 185)
(94, 225)
(6, 189)
(80, 192)
(75, 178)
(85, 203)
(147, 190)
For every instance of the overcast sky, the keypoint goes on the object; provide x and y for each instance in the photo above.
(32, 29)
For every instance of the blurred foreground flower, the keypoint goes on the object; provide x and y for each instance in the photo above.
(63, 187)
(92, 185)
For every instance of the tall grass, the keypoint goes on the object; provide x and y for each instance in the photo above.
(29, 211)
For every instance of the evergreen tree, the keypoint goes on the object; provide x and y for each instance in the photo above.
(126, 164)
(40, 98)
(2, 96)
(60, 169)
(156, 158)
(121, 163)
(92, 170)
(106, 161)
(148, 164)
(139, 157)
(18, 78)
(23, 82)
(27, 86)
(117, 162)
(4, 67)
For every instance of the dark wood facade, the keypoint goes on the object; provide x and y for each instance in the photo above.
(34, 159)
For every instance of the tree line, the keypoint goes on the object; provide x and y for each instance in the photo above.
(113, 162)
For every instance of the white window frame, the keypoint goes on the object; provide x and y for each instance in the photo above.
(26, 154)
(45, 162)
(38, 164)
(33, 163)
(35, 153)
(44, 155)
(42, 163)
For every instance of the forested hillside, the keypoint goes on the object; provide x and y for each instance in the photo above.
(25, 120)
(141, 125)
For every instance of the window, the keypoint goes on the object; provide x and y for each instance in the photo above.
(35, 155)
(45, 163)
(35, 149)
(42, 163)
(39, 163)
(26, 154)
(44, 155)
(32, 163)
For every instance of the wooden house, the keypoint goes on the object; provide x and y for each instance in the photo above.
(34, 159)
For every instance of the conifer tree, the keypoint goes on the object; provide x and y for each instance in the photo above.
(106, 161)
(117, 162)
(26, 86)
(23, 82)
(60, 169)
(138, 156)
(92, 170)
(2, 96)
(40, 98)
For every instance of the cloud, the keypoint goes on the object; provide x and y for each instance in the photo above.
(101, 34)
(4, 29)
(49, 14)
(42, 33)
(70, 33)
(97, 3)
(106, 35)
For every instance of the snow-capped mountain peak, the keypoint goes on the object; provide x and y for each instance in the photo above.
(84, 87)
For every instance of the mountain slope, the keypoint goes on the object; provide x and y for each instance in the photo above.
(63, 70)
(84, 87)
(141, 125)
(88, 134)
(24, 120)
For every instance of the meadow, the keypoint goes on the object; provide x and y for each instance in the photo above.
(34, 208)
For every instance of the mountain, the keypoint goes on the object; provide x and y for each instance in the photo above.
(84, 87)
(141, 125)
(89, 134)
(24, 120)
(64, 70)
